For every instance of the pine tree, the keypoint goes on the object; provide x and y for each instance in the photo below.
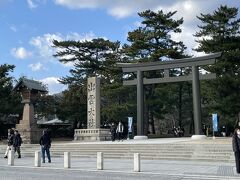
(220, 32)
(97, 57)
(10, 102)
(152, 42)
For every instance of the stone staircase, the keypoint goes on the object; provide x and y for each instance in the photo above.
(204, 150)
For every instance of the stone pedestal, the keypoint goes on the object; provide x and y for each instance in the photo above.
(30, 135)
(92, 134)
(27, 127)
(140, 137)
(197, 137)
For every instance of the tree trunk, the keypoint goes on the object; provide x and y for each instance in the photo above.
(151, 123)
(191, 125)
(180, 105)
(75, 123)
(146, 118)
(237, 120)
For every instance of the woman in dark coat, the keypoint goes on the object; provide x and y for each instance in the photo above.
(113, 131)
(236, 147)
(17, 141)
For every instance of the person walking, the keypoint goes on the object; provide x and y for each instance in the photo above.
(236, 147)
(175, 132)
(45, 142)
(9, 141)
(113, 131)
(17, 142)
(119, 131)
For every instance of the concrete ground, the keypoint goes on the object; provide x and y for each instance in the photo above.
(85, 168)
(122, 168)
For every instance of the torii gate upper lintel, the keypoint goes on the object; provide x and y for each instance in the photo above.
(194, 62)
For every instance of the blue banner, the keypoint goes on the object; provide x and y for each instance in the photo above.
(130, 119)
(215, 122)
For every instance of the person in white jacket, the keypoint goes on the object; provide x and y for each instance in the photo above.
(119, 131)
(9, 141)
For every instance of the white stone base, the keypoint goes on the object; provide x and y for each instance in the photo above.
(92, 135)
(196, 137)
(140, 137)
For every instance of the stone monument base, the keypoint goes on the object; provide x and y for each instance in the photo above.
(29, 135)
(197, 137)
(92, 135)
(140, 137)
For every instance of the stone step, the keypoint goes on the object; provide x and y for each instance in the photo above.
(131, 154)
(174, 151)
(134, 150)
(132, 146)
(146, 149)
(182, 148)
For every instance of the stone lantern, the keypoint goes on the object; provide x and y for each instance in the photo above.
(27, 127)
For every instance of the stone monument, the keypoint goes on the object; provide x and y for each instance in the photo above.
(93, 107)
(27, 127)
(93, 131)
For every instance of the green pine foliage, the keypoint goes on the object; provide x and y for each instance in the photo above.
(150, 42)
(90, 58)
(10, 101)
(97, 57)
(220, 32)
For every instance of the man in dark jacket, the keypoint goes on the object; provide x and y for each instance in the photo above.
(17, 141)
(113, 131)
(10, 142)
(236, 147)
(45, 142)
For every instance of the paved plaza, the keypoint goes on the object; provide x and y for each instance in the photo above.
(85, 168)
(117, 169)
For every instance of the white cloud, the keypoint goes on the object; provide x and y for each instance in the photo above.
(123, 8)
(13, 28)
(120, 12)
(21, 53)
(53, 85)
(116, 8)
(78, 37)
(44, 47)
(43, 44)
(186, 37)
(36, 67)
(31, 4)
(80, 4)
(188, 9)
(137, 24)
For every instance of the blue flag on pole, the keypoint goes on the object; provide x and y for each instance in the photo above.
(215, 122)
(130, 124)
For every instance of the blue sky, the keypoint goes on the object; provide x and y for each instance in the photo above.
(29, 26)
